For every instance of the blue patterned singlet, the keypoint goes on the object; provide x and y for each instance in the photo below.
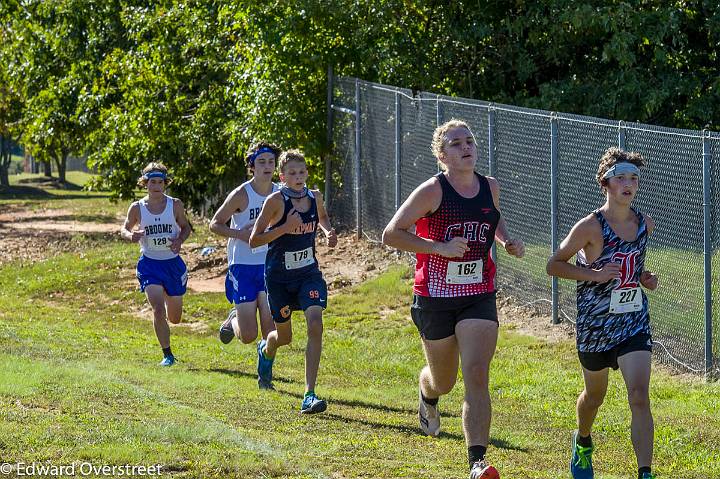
(597, 328)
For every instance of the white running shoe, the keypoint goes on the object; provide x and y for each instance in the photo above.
(429, 417)
(483, 470)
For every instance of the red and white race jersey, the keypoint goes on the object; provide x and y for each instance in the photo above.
(473, 218)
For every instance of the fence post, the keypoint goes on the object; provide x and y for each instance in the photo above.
(707, 254)
(438, 114)
(328, 142)
(398, 151)
(358, 200)
(554, 210)
(621, 135)
(492, 169)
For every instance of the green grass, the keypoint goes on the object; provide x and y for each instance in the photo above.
(80, 383)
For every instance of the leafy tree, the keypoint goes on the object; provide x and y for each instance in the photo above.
(192, 84)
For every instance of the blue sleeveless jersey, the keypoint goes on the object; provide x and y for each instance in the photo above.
(597, 328)
(292, 256)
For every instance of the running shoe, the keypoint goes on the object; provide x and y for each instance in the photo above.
(581, 461)
(226, 330)
(313, 405)
(264, 367)
(168, 361)
(482, 470)
(429, 417)
(647, 475)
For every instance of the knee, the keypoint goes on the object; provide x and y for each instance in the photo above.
(283, 338)
(315, 328)
(477, 375)
(159, 313)
(592, 399)
(174, 317)
(444, 385)
(639, 398)
(247, 337)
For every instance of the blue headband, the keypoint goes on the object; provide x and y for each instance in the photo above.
(261, 150)
(154, 174)
(621, 168)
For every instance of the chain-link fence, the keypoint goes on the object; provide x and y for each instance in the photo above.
(546, 164)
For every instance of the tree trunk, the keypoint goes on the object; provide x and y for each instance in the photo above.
(4, 178)
(47, 168)
(4, 161)
(61, 163)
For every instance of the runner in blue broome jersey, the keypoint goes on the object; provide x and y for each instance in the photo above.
(613, 323)
(288, 223)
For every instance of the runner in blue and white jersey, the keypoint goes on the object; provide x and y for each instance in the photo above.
(159, 224)
(613, 323)
(245, 281)
(288, 223)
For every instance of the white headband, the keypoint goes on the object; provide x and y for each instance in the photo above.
(621, 168)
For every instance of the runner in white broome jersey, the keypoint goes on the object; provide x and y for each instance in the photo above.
(159, 224)
(456, 215)
(613, 323)
(245, 281)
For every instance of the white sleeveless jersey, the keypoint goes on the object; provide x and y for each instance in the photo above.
(239, 251)
(160, 230)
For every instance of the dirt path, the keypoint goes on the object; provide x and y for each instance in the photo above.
(36, 235)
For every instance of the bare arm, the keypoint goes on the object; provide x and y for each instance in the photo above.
(648, 279)
(423, 201)
(183, 223)
(235, 201)
(513, 247)
(128, 231)
(271, 213)
(324, 220)
(585, 233)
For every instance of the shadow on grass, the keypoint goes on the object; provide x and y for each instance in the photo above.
(369, 405)
(83, 218)
(409, 430)
(23, 192)
(241, 374)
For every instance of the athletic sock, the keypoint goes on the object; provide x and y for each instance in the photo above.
(432, 402)
(310, 393)
(167, 352)
(584, 441)
(476, 453)
(643, 470)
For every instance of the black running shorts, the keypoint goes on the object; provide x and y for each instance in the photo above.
(597, 361)
(436, 318)
(300, 294)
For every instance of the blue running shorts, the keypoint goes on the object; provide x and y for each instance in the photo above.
(243, 282)
(171, 274)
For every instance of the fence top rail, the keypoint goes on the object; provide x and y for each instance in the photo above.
(568, 117)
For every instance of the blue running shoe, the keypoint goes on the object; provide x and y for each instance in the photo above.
(581, 461)
(312, 405)
(264, 367)
(168, 361)
(647, 475)
(226, 330)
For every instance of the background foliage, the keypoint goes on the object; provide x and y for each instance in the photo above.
(193, 83)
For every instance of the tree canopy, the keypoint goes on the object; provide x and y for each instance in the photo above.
(192, 84)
